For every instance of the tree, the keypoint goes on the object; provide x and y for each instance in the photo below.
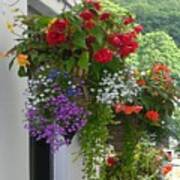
(157, 15)
(157, 47)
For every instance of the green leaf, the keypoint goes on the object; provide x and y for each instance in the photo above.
(84, 61)
(22, 72)
(42, 22)
(79, 39)
(99, 34)
(11, 63)
(69, 64)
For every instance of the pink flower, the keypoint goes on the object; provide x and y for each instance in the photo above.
(119, 108)
(137, 109)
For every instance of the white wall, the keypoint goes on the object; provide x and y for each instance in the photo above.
(67, 166)
(13, 137)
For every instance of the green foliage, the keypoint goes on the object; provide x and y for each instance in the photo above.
(157, 47)
(94, 139)
(78, 67)
(157, 15)
(110, 6)
(140, 164)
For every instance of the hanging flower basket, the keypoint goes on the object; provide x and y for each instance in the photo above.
(79, 82)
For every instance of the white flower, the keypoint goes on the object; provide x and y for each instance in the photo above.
(114, 86)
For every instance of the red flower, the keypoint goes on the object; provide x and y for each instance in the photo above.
(157, 68)
(137, 109)
(152, 116)
(138, 28)
(103, 56)
(105, 16)
(119, 108)
(126, 50)
(141, 82)
(89, 24)
(128, 20)
(125, 42)
(115, 40)
(95, 4)
(128, 110)
(166, 169)
(59, 25)
(86, 15)
(54, 38)
(90, 39)
(111, 161)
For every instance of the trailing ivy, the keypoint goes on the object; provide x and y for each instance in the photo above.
(94, 139)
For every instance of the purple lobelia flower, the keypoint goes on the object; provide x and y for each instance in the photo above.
(57, 120)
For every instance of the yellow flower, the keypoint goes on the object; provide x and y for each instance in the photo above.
(52, 21)
(10, 27)
(22, 60)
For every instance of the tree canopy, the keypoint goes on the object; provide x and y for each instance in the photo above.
(157, 15)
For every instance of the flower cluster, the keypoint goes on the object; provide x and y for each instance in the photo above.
(75, 63)
(60, 120)
(103, 56)
(153, 116)
(56, 31)
(127, 109)
(125, 43)
(120, 86)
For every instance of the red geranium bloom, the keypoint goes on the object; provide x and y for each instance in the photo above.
(111, 161)
(128, 49)
(89, 24)
(138, 28)
(103, 56)
(125, 42)
(115, 40)
(157, 68)
(59, 25)
(86, 15)
(128, 110)
(128, 20)
(153, 116)
(54, 38)
(90, 39)
(95, 4)
(119, 108)
(166, 169)
(137, 109)
(105, 16)
(141, 82)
